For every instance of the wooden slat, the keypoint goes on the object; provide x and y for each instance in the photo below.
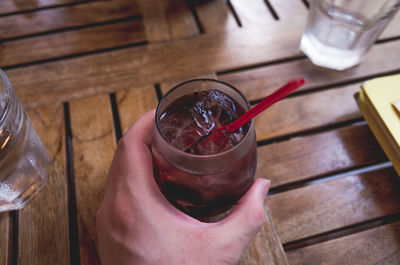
(166, 20)
(158, 62)
(64, 17)
(60, 81)
(266, 248)
(253, 13)
(140, 66)
(133, 103)
(71, 42)
(215, 16)
(308, 112)
(393, 29)
(4, 238)
(290, 11)
(330, 205)
(318, 154)
(45, 218)
(11, 6)
(166, 86)
(93, 143)
(375, 246)
(259, 82)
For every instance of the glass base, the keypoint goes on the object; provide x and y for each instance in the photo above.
(329, 57)
(19, 202)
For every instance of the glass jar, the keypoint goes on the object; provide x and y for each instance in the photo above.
(23, 158)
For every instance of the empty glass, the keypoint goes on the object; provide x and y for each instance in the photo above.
(340, 32)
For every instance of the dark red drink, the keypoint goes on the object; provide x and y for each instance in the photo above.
(206, 179)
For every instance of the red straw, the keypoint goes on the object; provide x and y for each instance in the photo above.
(265, 103)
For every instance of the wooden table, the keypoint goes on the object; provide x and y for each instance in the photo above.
(87, 70)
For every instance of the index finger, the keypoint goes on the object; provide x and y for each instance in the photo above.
(142, 129)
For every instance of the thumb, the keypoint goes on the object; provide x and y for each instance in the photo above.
(247, 217)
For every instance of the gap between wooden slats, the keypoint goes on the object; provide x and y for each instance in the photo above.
(70, 44)
(375, 246)
(167, 20)
(93, 144)
(253, 13)
(307, 112)
(178, 60)
(337, 150)
(64, 18)
(133, 103)
(215, 16)
(263, 80)
(290, 11)
(72, 208)
(44, 218)
(337, 203)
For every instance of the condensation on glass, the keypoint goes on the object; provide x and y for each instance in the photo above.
(23, 158)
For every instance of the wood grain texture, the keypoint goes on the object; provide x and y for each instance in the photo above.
(89, 75)
(307, 112)
(9, 6)
(93, 143)
(71, 42)
(215, 16)
(45, 218)
(153, 63)
(65, 17)
(253, 13)
(266, 248)
(259, 82)
(319, 154)
(166, 86)
(333, 204)
(393, 29)
(176, 50)
(380, 245)
(4, 238)
(133, 103)
(290, 11)
(166, 20)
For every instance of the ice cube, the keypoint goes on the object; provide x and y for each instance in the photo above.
(213, 109)
(192, 117)
(213, 143)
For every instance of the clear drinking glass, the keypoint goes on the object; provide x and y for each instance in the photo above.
(23, 158)
(202, 185)
(339, 33)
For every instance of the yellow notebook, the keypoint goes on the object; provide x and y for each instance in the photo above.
(375, 102)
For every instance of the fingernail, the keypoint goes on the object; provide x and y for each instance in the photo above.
(266, 185)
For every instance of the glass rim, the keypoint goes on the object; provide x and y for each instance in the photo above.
(205, 157)
(388, 14)
(7, 84)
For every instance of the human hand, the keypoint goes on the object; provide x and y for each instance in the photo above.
(136, 225)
